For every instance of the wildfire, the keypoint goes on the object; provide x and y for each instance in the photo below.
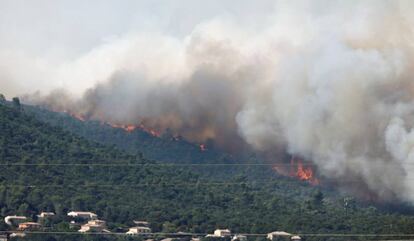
(203, 147)
(130, 128)
(298, 170)
(150, 131)
(127, 128)
(77, 116)
(306, 174)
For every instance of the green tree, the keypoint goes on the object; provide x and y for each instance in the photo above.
(317, 199)
(16, 103)
(169, 227)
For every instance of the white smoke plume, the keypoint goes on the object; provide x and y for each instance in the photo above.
(331, 81)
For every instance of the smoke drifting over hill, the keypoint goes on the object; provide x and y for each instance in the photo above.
(329, 81)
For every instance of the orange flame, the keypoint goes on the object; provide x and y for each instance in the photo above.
(298, 170)
(306, 174)
(127, 128)
(150, 131)
(130, 128)
(78, 116)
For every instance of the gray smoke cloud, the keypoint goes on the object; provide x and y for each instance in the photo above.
(330, 81)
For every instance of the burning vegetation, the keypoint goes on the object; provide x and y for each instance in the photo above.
(299, 170)
(77, 116)
(296, 168)
(128, 127)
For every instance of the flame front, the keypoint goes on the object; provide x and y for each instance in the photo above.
(306, 174)
(77, 116)
(298, 170)
(150, 131)
(130, 128)
(127, 128)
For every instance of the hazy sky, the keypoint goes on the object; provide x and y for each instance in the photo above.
(75, 26)
(39, 35)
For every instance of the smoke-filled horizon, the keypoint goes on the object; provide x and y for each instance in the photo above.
(330, 81)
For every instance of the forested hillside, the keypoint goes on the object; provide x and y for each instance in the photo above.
(45, 168)
(164, 147)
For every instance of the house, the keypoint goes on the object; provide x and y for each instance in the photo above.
(95, 225)
(139, 230)
(18, 235)
(46, 215)
(3, 237)
(29, 226)
(222, 233)
(83, 215)
(277, 234)
(239, 237)
(14, 220)
(297, 238)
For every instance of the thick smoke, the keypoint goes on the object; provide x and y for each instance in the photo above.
(330, 81)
